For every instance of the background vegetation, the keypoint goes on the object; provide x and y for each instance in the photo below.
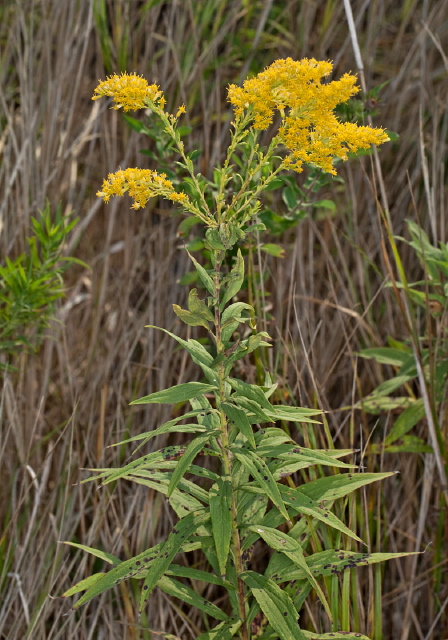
(61, 407)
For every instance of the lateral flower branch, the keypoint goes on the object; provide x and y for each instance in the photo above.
(235, 422)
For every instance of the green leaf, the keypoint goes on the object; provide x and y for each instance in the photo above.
(251, 392)
(338, 486)
(188, 595)
(285, 544)
(204, 276)
(221, 517)
(309, 507)
(231, 318)
(293, 414)
(254, 413)
(199, 314)
(261, 474)
(83, 585)
(224, 631)
(135, 567)
(107, 557)
(335, 635)
(275, 250)
(134, 123)
(275, 604)
(408, 419)
(194, 574)
(235, 280)
(178, 393)
(331, 562)
(198, 353)
(190, 454)
(168, 427)
(240, 419)
(183, 529)
(386, 355)
(182, 503)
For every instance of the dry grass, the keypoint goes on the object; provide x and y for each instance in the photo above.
(63, 407)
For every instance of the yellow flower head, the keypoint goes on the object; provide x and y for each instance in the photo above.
(141, 184)
(309, 128)
(129, 91)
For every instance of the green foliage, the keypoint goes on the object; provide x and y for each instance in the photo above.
(427, 302)
(31, 284)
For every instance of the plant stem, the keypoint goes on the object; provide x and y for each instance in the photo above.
(226, 455)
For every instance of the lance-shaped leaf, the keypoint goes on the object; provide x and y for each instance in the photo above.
(251, 392)
(183, 529)
(166, 427)
(204, 276)
(276, 605)
(198, 315)
(133, 568)
(340, 485)
(335, 635)
(83, 585)
(182, 503)
(231, 318)
(262, 476)
(178, 393)
(224, 631)
(293, 414)
(194, 574)
(221, 517)
(188, 595)
(240, 419)
(198, 353)
(190, 454)
(306, 506)
(107, 557)
(149, 461)
(234, 280)
(328, 563)
(254, 412)
(283, 543)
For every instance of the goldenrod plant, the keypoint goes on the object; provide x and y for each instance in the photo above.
(241, 479)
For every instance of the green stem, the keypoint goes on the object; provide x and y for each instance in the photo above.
(226, 455)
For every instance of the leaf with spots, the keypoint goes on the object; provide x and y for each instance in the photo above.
(183, 529)
(338, 486)
(328, 563)
(188, 456)
(275, 604)
(135, 567)
(306, 506)
(285, 544)
(149, 461)
(262, 476)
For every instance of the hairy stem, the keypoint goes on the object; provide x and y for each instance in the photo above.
(226, 455)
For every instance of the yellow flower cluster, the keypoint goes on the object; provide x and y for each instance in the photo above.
(141, 184)
(129, 91)
(309, 128)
